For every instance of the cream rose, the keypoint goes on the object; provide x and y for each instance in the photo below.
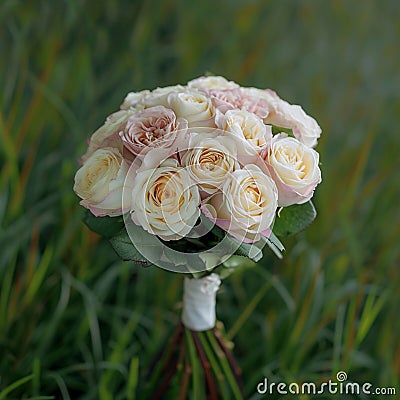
(108, 134)
(134, 100)
(245, 125)
(294, 167)
(165, 200)
(159, 96)
(209, 159)
(247, 204)
(100, 180)
(194, 106)
(212, 82)
(153, 127)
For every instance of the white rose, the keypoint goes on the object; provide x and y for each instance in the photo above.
(165, 200)
(247, 126)
(159, 96)
(247, 205)
(134, 99)
(285, 115)
(209, 159)
(100, 180)
(294, 167)
(212, 82)
(194, 106)
(108, 134)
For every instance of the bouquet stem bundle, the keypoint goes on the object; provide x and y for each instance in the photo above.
(198, 365)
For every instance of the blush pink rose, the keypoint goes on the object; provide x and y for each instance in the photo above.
(154, 127)
(241, 99)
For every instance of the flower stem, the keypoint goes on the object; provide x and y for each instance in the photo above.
(210, 381)
(226, 368)
(164, 366)
(231, 359)
(198, 393)
(185, 379)
(215, 366)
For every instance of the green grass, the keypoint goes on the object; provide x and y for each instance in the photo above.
(75, 322)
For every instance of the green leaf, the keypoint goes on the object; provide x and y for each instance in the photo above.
(293, 219)
(105, 226)
(278, 129)
(124, 247)
(231, 265)
(251, 250)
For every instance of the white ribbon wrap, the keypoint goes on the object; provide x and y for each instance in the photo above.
(199, 302)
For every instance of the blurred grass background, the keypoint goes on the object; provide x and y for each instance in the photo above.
(75, 322)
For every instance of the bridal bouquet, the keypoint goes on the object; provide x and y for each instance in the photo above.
(188, 178)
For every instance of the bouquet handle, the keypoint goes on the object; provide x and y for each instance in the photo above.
(197, 363)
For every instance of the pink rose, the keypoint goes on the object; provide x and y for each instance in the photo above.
(241, 99)
(153, 127)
